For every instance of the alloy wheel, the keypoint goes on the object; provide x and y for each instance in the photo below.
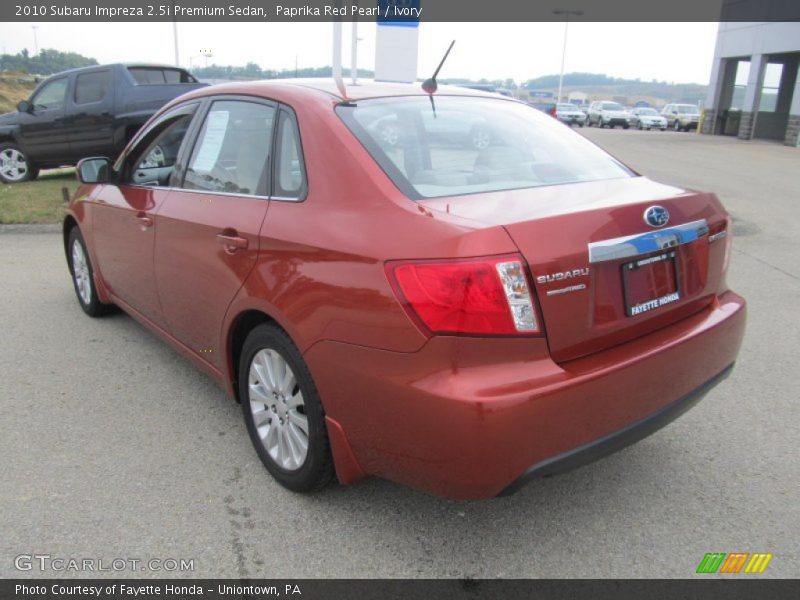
(278, 409)
(480, 139)
(80, 271)
(13, 166)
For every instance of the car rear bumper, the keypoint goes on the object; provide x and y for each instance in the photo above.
(474, 418)
(617, 440)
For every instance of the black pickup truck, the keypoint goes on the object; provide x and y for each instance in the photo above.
(84, 112)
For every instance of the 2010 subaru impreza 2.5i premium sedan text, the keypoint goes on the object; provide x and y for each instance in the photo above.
(455, 317)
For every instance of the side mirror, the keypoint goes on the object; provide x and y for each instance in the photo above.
(24, 106)
(94, 170)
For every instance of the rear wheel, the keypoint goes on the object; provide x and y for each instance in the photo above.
(283, 411)
(80, 267)
(15, 166)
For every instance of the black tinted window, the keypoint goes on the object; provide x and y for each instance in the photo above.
(233, 148)
(92, 87)
(159, 76)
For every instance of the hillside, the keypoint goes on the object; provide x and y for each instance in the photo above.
(13, 88)
(600, 87)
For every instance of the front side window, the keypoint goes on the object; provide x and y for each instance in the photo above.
(92, 87)
(153, 160)
(233, 149)
(471, 145)
(52, 95)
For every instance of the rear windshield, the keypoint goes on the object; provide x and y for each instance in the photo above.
(472, 145)
(647, 111)
(160, 76)
(612, 106)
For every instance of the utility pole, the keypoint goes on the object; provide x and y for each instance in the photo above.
(175, 34)
(35, 40)
(567, 14)
(354, 54)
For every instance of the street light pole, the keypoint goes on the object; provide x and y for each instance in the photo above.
(175, 35)
(567, 14)
(35, 40)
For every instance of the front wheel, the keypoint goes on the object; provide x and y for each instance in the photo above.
(283, 411)
(15, 166)
(80, 267)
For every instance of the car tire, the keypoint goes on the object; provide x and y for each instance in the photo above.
(580, 124)
(480, 138)
(283, 411)
(639, 126)
(80, 267)
(389, 135)
(625, 126)
(677, 126)
(600, 123)
(15, 167)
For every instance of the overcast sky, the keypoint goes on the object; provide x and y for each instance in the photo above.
(676, 52)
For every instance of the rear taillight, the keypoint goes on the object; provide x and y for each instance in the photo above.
(479, 296)
(721, 233)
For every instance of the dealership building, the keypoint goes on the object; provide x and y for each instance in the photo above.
(754, 91)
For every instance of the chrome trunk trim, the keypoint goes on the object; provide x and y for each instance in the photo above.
(631, 246)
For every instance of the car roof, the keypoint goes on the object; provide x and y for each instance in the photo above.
(109, 65)
(326, 87)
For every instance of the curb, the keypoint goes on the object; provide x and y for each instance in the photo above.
(30, 228)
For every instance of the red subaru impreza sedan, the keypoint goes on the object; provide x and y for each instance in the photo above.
(451, 291)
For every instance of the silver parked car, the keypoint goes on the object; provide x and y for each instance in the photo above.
(570, 114)
(648, 118)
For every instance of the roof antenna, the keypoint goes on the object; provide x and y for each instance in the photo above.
(429, 86)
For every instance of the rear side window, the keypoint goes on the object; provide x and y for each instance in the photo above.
(160, 76)
(232, 152)
(472, 145)
(290, 178)
(92, 87)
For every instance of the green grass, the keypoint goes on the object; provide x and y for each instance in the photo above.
(38, 201)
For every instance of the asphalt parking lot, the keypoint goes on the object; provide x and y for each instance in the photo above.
(113, 446)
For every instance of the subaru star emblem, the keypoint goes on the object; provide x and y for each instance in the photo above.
(656, 216)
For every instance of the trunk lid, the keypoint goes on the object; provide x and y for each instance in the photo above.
(602, 275)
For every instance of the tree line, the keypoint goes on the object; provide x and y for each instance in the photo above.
(47, 62)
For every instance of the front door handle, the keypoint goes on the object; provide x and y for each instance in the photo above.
(232, 242)
(144, 220)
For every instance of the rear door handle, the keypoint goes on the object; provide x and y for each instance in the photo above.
(144, 219)
(232, 242)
